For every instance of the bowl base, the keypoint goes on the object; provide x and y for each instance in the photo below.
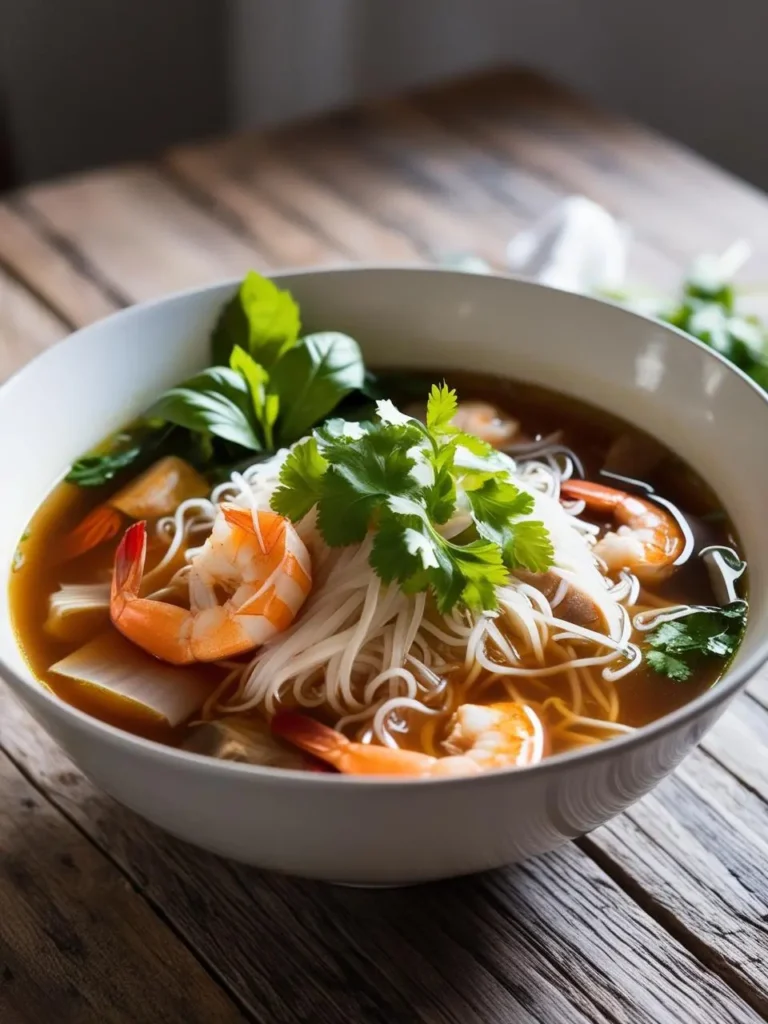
(376, 885)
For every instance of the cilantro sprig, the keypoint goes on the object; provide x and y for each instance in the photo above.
(404, 480)
(678, 647)
(707, 307)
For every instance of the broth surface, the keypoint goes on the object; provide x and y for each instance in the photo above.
(608, 449)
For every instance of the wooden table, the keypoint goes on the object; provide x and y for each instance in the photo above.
(660, 916)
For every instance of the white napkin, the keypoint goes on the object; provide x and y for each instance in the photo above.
(577, 246)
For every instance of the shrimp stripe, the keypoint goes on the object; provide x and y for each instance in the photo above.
(257, 554)
(295, 571)
(270, 606)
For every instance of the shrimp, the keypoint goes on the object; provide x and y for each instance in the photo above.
(482, 738)
(486, 422)
(649, 540)
(504, 735)
(255, 557)
(157, 492)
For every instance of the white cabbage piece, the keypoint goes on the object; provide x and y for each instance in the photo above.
(117, 671)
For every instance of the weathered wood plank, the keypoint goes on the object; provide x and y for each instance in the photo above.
(740, 744)
(663, 189)
(758, 687)
(555, 940)
(139, 232)
(521, 174)
(283, 234)
(694, 853)
(33, 258)
(418, 181)
(239, 169)
(77, 944)
(335, 152)
(26, 326)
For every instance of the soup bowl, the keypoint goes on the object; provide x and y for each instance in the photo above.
(388, 832)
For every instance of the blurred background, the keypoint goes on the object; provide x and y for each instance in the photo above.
(90, 82)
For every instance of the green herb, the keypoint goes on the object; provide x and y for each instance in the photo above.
(135, 448)
(216, 401)
(312, 378)
(267, 390)
(678, 647)
(265, 407)
(260, 318)
(101, 467)
(403, 479)
(707, 310)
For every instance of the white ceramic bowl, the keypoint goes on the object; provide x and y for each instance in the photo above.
(389, 832)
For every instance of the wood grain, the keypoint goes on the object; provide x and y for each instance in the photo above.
(32, 256)
(335, 153)
(26, 326)
(567, 938)
(665, 191)
(283, 234)
(555, 940)
(253, 166)
(76, 942)
(144, 237)
(741, 745)
(694, 853)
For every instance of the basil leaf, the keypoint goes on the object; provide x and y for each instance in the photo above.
(95, 470)
(135, 447)
(312, 378)
(261, 318)
(216, 401)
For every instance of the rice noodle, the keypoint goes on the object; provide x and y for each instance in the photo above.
(374, 656)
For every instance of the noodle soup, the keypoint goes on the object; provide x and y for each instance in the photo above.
(426, 579)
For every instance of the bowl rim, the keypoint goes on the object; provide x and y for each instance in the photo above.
(719, 694)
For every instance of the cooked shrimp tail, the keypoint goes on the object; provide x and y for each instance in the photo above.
(649, 539)
(156, 626)
(505, 735)
(100, 525)
(256, 557)
(363, 758)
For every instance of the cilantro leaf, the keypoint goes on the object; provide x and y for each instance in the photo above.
(707, 632)
(362, 477)
(261, 318)
(408, 549)
(496, 507)
(402, 550)
(495, 502)
(529, 547)
(670, 666)
(398, 479)
(301, 479)
(441, 407)
(481, 564)
(474, 445)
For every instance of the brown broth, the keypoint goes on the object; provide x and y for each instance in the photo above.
(597, 438)
(38, 574)
(591, 433)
